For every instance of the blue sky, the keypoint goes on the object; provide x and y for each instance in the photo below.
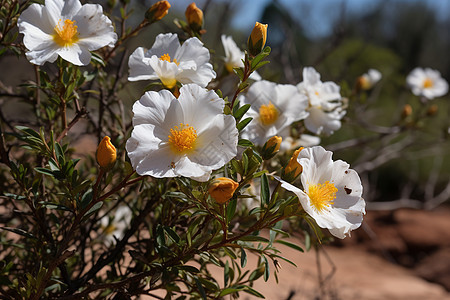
(320, 14)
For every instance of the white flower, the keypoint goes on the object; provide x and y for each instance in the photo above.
(170, 62)
(427, 82)
(234, 56)
(65, 28)
(116, 227)
(273, 108)
(331, 192)
(189, 136)
(325, 103)
(305, 140)
(369, 79)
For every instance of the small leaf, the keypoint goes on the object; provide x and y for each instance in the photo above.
(245, 143)
(241, 125)
(290, 245)
(200, 288)
(266, 268)
(243, 258)
(241, 111)
(231, 209)
(265, 191)
(254, 292)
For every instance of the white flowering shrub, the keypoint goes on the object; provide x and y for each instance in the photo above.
(184, 179)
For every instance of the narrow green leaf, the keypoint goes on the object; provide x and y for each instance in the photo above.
(245, 143)
(19, 232)
(241, 111)
(265, 191)
(200, 288)
(254, 292)
(290, 245)
(254, 238)
(231, 209)
(266, 268)
(243, 258)
(241, 125)
(44, 171)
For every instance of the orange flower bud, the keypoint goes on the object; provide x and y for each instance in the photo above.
(293, 169)
(257, 39)
(271, 147)
(407, 111)
(194, 16)
(157, 11)
(222, 189)
(432, 110)
(106, 153)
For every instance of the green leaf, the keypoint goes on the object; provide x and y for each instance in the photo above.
(241, 125)
(265, 191)
(241, 111)
(243, 258)
(93, 210)
(231, 209)
(245, 143)
(254, 292)
(44, 171)
(290, 245)
(19, 232)
(172, 234)
(189, 269)
(231, 290)
(200, 288)
(266, 268)
(254, 238)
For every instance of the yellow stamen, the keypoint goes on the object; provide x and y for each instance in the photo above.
(110, 229)
(427, 83)
(322, 195)
(166, 57)
(182, 139)
(268, 114)
(65, 35)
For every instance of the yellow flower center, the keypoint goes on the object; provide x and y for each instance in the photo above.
(65, 35)
(268, 114)
(427, 83)
(322, 195)
(166, 57)
(110, 229)
(182, 138)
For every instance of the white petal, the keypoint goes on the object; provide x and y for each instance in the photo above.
(166, 71)
(165, 44)
(193, 49)
(140, 68)
(94, 28)
(217, 143)
(53, 10)
(39, 57)
(198, 105)
(319, 121)
(35, 16)
(152, 108)
(310, 76)
(75, 54)
(201, 75)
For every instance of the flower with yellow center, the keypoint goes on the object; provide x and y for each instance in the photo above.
(273, 108)
(325, 103)
(189, 136)
(368, 80)
(171, 62)
(114, 226)
(331, 192)
(427, 83)
(66, 29)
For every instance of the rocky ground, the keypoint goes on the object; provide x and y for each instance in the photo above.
(403, 254)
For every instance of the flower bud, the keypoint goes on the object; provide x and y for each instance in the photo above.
(271, 147)
(293, 169)
(106, 153)
(257, 39)
(194, 16)
(407, 111)
(157, 11)
(432, 110)
(222, 189)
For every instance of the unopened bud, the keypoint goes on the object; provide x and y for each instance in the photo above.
(293, 169)
(257, 39)
(194, 16)
(157, 11)
(407, 111)
(432, 110)
(222, 189)
(106, 153)
(271, 147)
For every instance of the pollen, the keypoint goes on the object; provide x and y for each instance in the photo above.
(166, 57)
(65, 33)
(182, 138)
(427, 83)
(268, 114)
(322, 195)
